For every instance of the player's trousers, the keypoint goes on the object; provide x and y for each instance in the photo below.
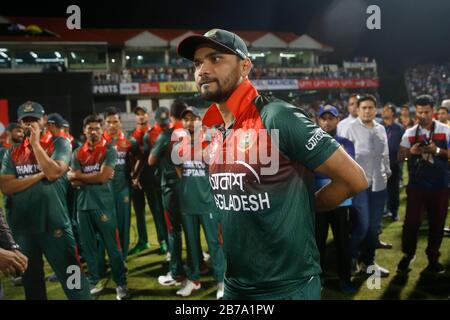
(104, 223)
(339, 220)
(60, 250)
(191, 226)
(435, 203)
(154, 199)
(172, 214)
(123, 215)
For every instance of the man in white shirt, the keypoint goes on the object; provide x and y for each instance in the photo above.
(372, 153)
(352, 115)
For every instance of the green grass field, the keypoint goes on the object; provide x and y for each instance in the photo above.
(145, 267)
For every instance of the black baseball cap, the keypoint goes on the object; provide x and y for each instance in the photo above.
(192, 110)
(140, 108)
(56, 119)
(65, 124)
(30, 109)
(226, 40)
(11, 126)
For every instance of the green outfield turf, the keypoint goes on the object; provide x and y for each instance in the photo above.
(145, 267)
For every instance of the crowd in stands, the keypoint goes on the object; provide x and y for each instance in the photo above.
(161, 74)
(431, 79)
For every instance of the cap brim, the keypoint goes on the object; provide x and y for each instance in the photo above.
(187, 47)
(334, 115)
(139, 108)
(185, 112)
(31, 115)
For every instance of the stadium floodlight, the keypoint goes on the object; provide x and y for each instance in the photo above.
(113, 60)
(127, 57)
(287, 55)
(74, 56)
(257, 55)
(33, 54)
(4, 55)
(82, 60)
(57, 54)
(140, 57)
(3, 49)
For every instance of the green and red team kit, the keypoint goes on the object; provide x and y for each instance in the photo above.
(260, 215)
(39, 218)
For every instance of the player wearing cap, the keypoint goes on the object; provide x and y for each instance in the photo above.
(143, 186)
(267, 210)
(121, 180)
(339, 218)
(32, 174)
(197, 206)
(66, 128)
(54, 125)
(14, 136)
(160, 155)
(92, 168)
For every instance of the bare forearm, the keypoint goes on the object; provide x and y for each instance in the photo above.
(49, 167)
(12, 186)
(139, 166)
(332, 195)
(91, 178)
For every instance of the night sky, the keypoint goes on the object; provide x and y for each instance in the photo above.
(412, 31)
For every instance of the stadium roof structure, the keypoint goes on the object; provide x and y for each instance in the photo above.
(54, 30)
(306, 42)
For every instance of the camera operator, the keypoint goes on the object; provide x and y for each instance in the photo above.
(425, 147)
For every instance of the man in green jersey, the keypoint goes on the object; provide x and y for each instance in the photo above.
(14, 136)
(261, 160)
(33, 176)
(197, 206)
(92, 168)
(160, 155)
(143, 183)
(121, 180)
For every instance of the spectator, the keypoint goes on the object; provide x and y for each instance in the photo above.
(352, 115)
(405, 119)
(372, 153)
(443, 115)
(425, 146)
(394, 132)
(339, 218)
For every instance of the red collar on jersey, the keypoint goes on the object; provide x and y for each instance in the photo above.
(238, 102)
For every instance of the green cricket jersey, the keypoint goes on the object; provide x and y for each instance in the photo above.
(196, 196)
(138, 149)
(95, 196)
(267, 215)
(162, 150)
(121, 178)
(3, 150)
(42, 207)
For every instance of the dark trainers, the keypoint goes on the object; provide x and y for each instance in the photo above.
(347, 287)
(435, 268)
(405, 264)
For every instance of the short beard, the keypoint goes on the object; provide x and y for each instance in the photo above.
(220, 96)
